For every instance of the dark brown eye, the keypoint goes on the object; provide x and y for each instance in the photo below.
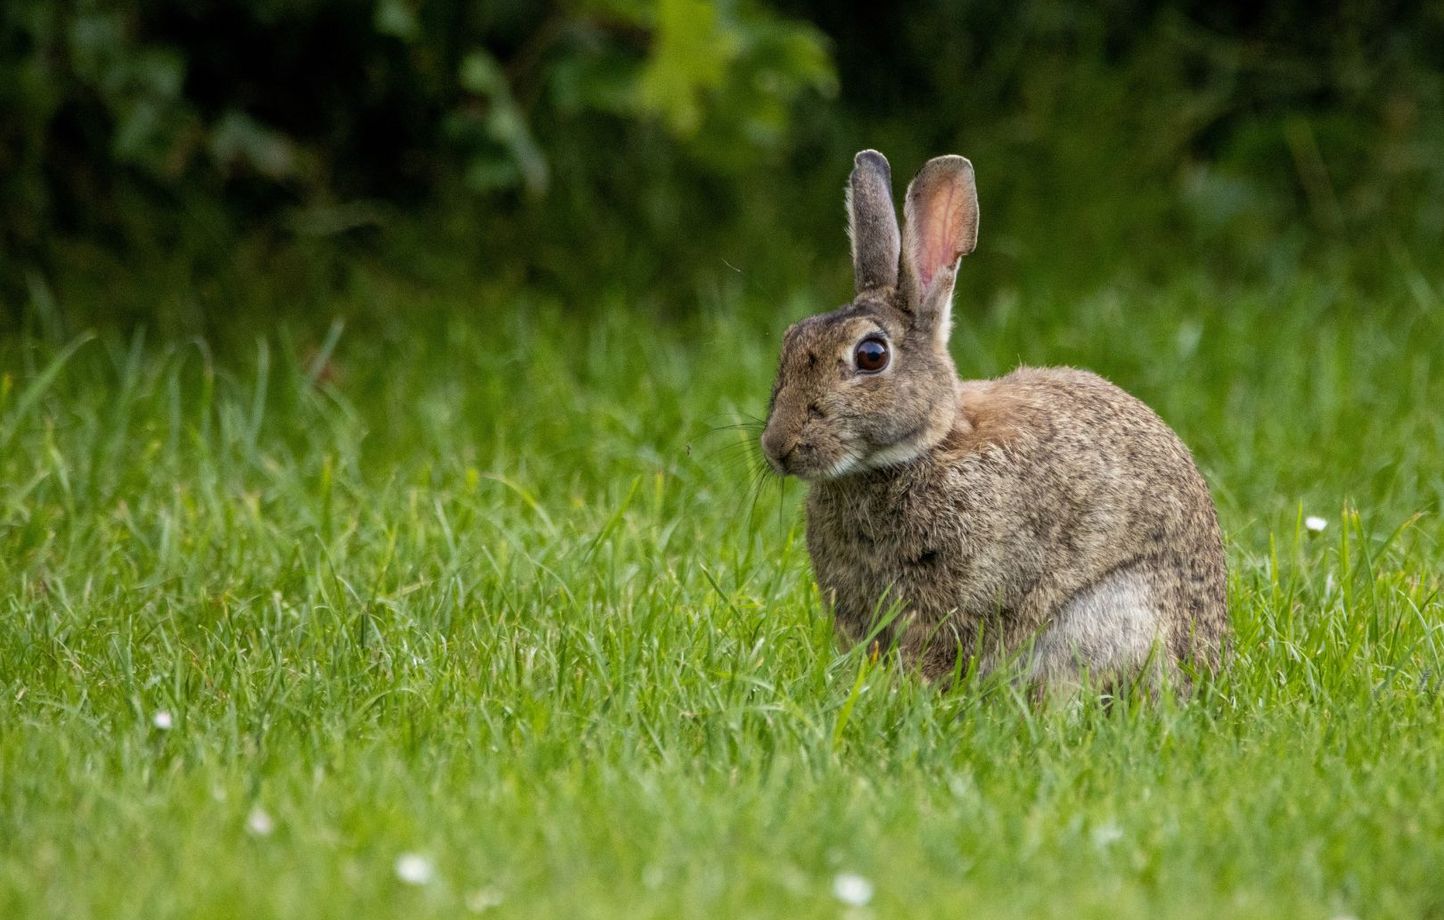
(871, 355)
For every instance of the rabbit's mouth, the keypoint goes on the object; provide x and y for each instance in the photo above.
(807, 462)
(797, 459)
(811, 461)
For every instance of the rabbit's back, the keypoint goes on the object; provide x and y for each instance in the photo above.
(1059, 514)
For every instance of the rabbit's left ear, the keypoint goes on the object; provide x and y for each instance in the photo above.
(941, 226)
(872, 222)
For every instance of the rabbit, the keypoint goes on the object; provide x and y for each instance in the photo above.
(1045, 519)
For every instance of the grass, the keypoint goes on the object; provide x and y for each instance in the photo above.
(491, 585)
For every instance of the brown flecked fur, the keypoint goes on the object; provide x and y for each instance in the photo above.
(1046, 516)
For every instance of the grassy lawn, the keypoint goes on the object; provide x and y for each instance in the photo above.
(479, 608)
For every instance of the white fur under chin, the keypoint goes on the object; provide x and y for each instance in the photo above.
(891, 455)
(848, 464)
(894, 454)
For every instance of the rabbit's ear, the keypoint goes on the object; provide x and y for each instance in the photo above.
(941, 226)
(872, 222)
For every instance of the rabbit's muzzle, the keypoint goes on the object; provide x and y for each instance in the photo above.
(786, 452)
(795, 445)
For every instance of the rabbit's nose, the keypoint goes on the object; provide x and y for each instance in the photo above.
(778, 448)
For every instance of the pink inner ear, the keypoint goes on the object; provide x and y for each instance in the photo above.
(940, 238)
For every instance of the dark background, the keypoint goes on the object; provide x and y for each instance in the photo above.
(195, 164)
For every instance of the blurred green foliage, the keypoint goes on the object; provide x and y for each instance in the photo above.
(1109, 130)
(311, 97)
(661, 148)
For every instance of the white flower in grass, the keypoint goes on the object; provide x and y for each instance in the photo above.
(259, 823)
(851, 889)
(414, 869)
(162, 720)
(1107, 834)
(1315, 524)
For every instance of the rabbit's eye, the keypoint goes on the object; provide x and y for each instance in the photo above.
(871, 355)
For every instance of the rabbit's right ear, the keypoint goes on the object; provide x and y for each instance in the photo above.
(941, 214)
(872, 222)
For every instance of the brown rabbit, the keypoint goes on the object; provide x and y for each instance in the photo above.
(1045, 518)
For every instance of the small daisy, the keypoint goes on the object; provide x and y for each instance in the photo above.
(1107, 834)
(259, 823)
(162, 720)
(850, 889)
(414, 869)
(1315, 524)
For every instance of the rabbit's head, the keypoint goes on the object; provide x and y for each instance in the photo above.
(871, 384)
